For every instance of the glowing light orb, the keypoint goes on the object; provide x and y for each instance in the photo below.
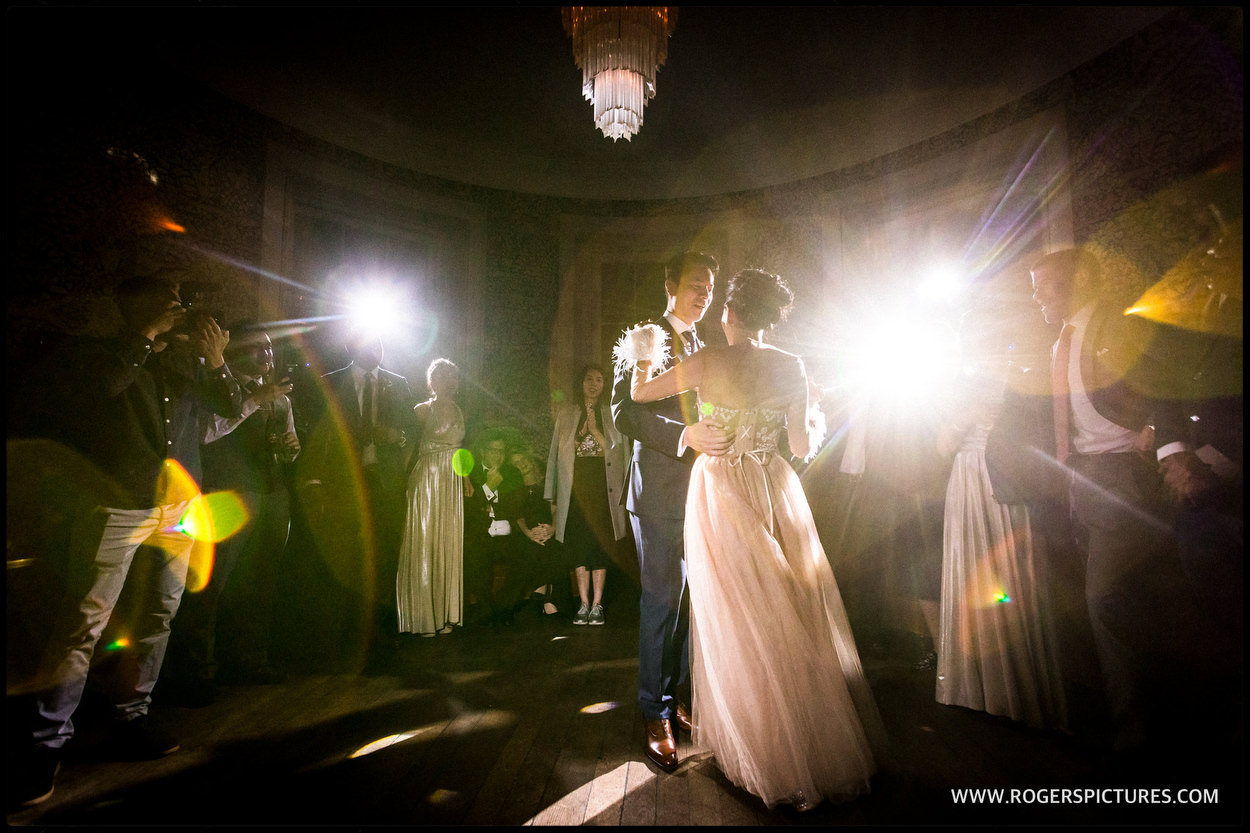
(213, 517)
(462, 462)
(705, 408)
(1001, 597)
(943, 283)
(557, 396)
(208, 520)
(902, 358)
(118, 644)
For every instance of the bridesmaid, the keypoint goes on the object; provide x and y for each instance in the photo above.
(429, 586)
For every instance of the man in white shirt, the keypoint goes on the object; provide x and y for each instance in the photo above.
(1115, 402)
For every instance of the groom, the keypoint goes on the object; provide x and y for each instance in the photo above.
(667, 435)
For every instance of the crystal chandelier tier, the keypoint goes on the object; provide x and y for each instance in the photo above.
(619, 50)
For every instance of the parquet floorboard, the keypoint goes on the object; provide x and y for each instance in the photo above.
(539, 724)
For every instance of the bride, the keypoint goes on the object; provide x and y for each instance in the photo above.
(779, 695)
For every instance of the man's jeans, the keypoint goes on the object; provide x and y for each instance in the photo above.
(103, 550)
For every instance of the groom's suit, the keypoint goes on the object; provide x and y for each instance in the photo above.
(656, 499)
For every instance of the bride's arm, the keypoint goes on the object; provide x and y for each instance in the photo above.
(805, 420)
(680, 377)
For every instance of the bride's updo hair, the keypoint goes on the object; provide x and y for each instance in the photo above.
(759, 299)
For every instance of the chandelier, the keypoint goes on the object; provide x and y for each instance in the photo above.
(619, 49)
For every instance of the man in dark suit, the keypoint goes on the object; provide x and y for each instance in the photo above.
(226, 625)
(667, 435)
(1116, 400)
(353, 485)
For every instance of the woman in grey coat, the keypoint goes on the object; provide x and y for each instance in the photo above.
(585, 477)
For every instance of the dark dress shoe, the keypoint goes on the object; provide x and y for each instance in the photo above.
(681, 719)
(661, 745)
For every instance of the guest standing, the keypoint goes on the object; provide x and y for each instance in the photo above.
(222, 632)
(140, 398)
(1114, 405)
(996, 646)
(430, 581)
(585, 477)
(360, 440)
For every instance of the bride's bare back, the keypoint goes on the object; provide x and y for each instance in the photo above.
(748, 376)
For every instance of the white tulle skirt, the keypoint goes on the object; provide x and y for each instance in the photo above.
(996, 645)
(779, 694)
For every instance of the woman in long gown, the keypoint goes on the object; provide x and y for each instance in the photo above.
(778, 692)
(429, 586)
(997, 648)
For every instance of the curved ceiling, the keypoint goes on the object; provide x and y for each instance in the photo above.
(751, 96)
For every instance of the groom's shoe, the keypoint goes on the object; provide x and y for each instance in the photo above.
(661, 745)
(681, 718)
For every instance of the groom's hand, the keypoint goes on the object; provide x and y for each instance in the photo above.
(708, 436)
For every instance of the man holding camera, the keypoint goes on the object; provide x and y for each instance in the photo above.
(132, 410)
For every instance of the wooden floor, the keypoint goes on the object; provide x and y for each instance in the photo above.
(538, 724)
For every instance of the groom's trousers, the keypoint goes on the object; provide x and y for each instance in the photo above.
(664, 616)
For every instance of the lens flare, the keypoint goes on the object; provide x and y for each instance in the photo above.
(462, 462)
(207, 520)
(903, 358)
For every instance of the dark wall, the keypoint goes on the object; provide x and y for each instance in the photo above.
(1139, 117)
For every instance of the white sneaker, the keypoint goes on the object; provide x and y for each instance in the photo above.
(596, 615)
(583, 616)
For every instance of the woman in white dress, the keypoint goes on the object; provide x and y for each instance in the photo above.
(778, 692)
(996, 640)
(429, 586)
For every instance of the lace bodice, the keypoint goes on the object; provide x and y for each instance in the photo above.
(755, 430)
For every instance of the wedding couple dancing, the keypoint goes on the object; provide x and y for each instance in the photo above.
(756, 660)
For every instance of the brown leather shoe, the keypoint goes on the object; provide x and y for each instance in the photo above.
(661, 745)
(682, 720)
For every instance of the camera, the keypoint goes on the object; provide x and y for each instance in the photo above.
(191, 323)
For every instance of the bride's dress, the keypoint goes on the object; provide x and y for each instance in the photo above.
(779, 694)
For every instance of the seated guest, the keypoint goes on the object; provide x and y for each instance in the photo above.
(490, 530)
(539, 556)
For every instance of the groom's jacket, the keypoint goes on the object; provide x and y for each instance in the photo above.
(657, 479)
